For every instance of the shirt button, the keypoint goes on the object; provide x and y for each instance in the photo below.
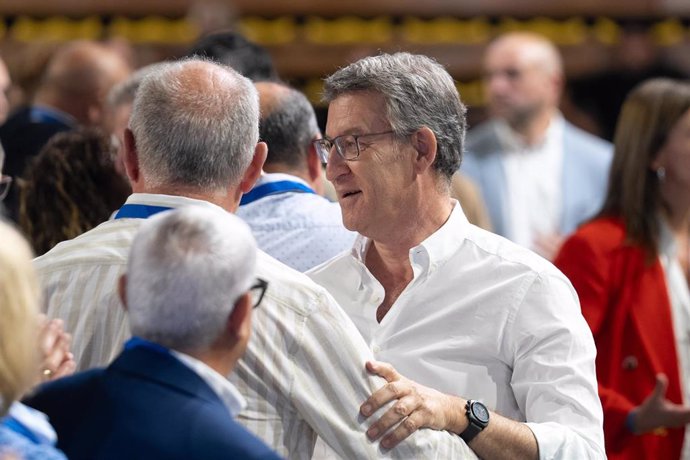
(376, 349)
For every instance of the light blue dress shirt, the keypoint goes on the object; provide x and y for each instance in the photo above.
(298, 228)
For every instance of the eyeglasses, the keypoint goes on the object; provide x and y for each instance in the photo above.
(347, 145)
(258, 290)
(5, 182)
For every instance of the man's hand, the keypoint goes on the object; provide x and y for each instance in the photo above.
(416, 407)
(54, 344)
(658, 412)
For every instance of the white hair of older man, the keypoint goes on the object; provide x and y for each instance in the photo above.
(187, 269)
(196, 124)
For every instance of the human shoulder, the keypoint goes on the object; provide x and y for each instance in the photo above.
(288, 288)
(586, 143)
(75, 384)
(106, 244)
(597, 238)
(498, 251)
(63, 400)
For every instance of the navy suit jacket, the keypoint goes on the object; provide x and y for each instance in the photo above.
(146, 404)
(586, 163)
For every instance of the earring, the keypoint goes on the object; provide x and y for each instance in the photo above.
(661, 173)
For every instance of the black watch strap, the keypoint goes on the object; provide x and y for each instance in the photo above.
(470, 432)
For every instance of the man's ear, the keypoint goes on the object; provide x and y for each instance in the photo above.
(253, 172)
(122, 290)
(424, 142)
(131, 157)
(239, 321)
(315, 169)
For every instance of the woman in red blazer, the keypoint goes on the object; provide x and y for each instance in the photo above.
(631, 267)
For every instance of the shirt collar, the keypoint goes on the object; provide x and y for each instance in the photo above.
(226, 391)
(278, 177)
(435, 249)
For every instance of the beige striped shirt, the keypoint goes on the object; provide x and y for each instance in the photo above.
(303, 373)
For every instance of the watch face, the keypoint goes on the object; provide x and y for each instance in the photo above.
(480, 411)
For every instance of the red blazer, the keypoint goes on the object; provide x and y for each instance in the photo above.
(625, 301)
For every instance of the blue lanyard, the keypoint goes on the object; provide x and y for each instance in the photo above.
(139, 211)
(138, 342)
(274, 188)
(19, 428)
(47, 116)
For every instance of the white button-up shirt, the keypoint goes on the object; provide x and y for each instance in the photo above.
(484, 319)
(534, 176)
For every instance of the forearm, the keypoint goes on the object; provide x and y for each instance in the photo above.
(505, 439)
(501, 439)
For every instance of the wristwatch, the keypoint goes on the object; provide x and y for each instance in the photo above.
(478, 416)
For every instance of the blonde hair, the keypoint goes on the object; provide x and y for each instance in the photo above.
(19, 312)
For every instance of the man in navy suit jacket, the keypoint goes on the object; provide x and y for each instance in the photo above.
(188, 293)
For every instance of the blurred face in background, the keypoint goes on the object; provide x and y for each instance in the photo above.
(674, 157)
(521, 80)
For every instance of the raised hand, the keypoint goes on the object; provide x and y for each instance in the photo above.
(657, 412)
(54, 345)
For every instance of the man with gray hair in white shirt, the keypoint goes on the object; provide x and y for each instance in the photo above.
(491, 332)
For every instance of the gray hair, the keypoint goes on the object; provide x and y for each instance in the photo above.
(186, 270)
(195, 124)
(418, 92)
(288, 128)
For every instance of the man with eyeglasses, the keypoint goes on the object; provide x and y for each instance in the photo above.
(193, 141)
(484, 338)
(172, 365)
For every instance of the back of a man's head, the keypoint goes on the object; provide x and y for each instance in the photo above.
(186, 270)
(288, 124)
(418, 92)
(195, 124)
(78, 77)
(233, 50)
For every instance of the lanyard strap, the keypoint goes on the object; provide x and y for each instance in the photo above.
(19, 428)
(139, 211)
(42, 115)
(274, 188)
